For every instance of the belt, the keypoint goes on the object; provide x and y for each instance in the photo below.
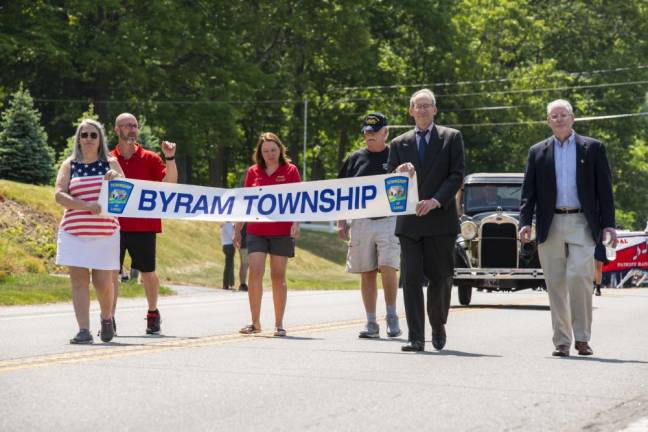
(567, 211)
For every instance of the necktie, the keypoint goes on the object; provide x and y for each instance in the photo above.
(422, 147)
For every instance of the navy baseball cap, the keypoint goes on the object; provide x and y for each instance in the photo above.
(374, 122)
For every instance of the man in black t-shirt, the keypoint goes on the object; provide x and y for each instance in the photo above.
(373, 247)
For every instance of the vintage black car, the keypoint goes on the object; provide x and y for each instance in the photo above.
(488, 253)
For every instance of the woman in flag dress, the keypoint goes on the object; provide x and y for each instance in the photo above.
(88, 243)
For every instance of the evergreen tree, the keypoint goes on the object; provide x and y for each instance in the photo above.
(24, 153)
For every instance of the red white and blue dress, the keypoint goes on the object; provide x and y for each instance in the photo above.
(85, 239)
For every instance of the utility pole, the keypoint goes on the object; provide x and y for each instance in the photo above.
(305, 136)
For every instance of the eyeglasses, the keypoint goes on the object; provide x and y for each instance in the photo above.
(130, 126)
(93, 135)
(421, 107)
(555, 117)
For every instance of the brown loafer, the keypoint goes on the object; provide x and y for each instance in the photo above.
(583, 348)
(561, 351)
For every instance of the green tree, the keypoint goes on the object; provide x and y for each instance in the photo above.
(146, 136)
(24, 153)
(67, 152)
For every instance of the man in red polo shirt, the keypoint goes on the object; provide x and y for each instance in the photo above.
(138, 235)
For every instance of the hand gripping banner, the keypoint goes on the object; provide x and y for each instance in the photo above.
(326, 200)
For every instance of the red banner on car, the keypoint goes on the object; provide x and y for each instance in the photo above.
(631, 252)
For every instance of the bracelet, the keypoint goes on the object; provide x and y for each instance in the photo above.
(169, 158)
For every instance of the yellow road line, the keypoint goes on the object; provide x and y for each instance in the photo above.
(102, 352)
(107, 352)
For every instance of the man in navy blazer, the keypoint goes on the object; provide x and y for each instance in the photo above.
(567, 183)
(436, 154)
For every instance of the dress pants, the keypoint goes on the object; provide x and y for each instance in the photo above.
(567, 259)
(432, 257)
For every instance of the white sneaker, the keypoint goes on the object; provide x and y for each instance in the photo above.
(371, 331)
(393, 328)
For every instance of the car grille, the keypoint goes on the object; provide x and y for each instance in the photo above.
(499, 245)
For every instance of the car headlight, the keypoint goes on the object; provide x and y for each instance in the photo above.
(468, 230)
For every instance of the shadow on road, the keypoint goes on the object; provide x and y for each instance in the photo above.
(603, 360)
(153, 337)
(453, 353)
(500, 306)
(432, 353)
(288, 337)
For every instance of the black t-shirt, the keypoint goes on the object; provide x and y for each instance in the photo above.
(365, 163)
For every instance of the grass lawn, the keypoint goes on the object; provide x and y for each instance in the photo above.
(188, 252)
(37, 288)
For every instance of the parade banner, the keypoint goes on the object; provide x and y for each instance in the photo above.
(326, 200)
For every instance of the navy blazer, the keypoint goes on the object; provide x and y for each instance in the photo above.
(439, 176)
(593, 182)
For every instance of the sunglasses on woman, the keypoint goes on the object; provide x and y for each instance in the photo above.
(93, 135)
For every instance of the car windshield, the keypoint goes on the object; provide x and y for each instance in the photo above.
(486, 197)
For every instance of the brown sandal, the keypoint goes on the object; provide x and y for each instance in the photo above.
(249, 329)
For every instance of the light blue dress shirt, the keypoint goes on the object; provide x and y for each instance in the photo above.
(565, 164)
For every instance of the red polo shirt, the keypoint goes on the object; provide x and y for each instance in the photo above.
(256, 176)
(142, 165)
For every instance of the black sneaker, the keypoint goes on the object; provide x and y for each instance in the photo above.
(83, 337)
(114, 324)
(243, 287)
(153, 322)
(107, 330)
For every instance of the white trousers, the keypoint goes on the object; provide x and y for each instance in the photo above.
(567, 258)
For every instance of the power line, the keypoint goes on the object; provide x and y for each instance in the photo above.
(501, 92)
(168, 102)
(640, 98)
(507, 107)
(488, 81)
(359, 99)
(534, 122)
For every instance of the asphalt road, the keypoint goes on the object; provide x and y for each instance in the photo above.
(496, 372)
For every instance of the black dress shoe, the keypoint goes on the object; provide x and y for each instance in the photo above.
(583, 348)
(561, 351)
(439, 337)
(413, 346)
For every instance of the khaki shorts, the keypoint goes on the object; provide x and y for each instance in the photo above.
(373, 244)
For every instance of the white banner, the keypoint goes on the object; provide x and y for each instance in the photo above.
(326, 200)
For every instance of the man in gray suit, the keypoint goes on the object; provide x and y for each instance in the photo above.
(436, 155)
(568, 185)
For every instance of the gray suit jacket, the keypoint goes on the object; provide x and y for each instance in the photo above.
(439, 176)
